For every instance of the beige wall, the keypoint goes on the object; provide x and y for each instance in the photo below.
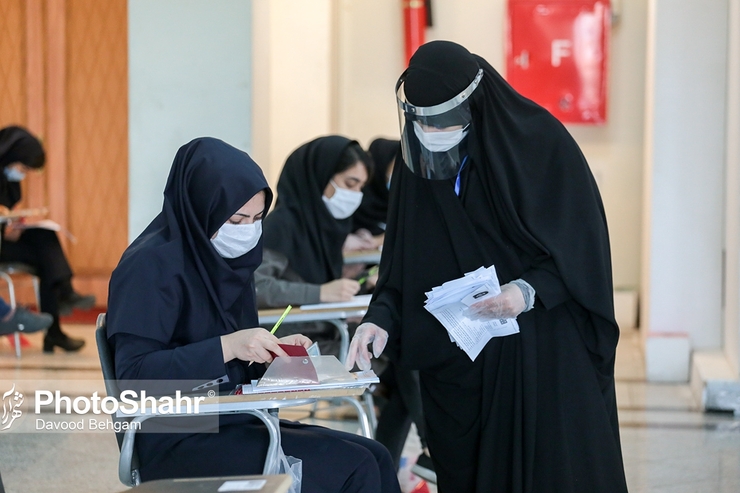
(293, 48)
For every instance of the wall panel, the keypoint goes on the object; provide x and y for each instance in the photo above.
(12, 80)
(97, 135)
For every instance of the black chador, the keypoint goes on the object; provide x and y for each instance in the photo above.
(536, 411)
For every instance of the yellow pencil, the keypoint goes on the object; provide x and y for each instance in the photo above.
(373, 270)
(280, 320)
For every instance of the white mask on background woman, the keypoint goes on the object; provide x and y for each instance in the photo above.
(14, 174)
(234, 240)
(343, 203)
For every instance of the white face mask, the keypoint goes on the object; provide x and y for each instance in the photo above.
(439, 141)
(234, 240)
(13, 174)
(343, 203)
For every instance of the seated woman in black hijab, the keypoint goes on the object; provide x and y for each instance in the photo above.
(318, 191)
(182, 306)
(491, 178)
(21, 152)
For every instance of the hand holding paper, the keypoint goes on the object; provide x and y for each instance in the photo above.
(358, 353)
(508, 304)
(451, 305)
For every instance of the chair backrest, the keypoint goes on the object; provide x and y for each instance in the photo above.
(107, 361)
(107, 364)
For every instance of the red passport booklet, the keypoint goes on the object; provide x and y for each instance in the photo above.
(292, 350)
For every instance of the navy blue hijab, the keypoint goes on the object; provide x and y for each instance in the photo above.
(209, 181)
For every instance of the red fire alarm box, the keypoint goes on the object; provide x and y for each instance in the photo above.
(557, 56)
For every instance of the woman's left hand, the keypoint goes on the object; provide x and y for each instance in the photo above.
(296, 340)
(508, 304)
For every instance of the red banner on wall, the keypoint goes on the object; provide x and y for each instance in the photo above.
(556, 55)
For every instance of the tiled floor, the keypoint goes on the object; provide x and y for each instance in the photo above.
(668, 445)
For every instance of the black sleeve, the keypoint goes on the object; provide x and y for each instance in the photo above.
(140, 358)
(550, 290)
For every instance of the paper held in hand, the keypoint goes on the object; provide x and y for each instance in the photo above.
(449, 304)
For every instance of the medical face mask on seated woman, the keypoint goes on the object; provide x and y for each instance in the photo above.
(343, 203)
(234, 240)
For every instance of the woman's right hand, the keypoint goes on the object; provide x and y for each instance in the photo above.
(364, 335)
(339, 290)
(250, 345)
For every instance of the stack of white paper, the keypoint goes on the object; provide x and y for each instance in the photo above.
(449, 304)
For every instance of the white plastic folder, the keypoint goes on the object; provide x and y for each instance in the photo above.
(449, 304)
(330, 372)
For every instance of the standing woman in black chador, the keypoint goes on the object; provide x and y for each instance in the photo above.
(182, 306)
(491, 178)
(21, 152)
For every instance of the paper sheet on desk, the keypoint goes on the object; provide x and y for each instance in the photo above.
(448, 304)
(361, 301)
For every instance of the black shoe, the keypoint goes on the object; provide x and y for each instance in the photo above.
(63, 341)
(75, 300)
(424, 468)
(25, 321)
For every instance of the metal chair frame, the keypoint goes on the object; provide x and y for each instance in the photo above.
(7, 270)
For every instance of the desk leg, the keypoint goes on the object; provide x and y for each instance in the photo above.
(367, 398)
(272, 465)
(343, 329)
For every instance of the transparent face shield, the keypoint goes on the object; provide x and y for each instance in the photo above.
(433, 137)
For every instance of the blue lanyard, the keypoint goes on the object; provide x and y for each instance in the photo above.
(457, 180)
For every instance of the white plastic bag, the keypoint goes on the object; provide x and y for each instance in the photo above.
(286, 464)
(293, 467)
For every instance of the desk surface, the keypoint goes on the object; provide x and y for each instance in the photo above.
(362, 257)
(296, 315)
(267, 400)
(278, 483)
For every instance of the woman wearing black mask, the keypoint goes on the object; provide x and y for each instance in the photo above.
(491, 178)
(182, 306)
(21, 152)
